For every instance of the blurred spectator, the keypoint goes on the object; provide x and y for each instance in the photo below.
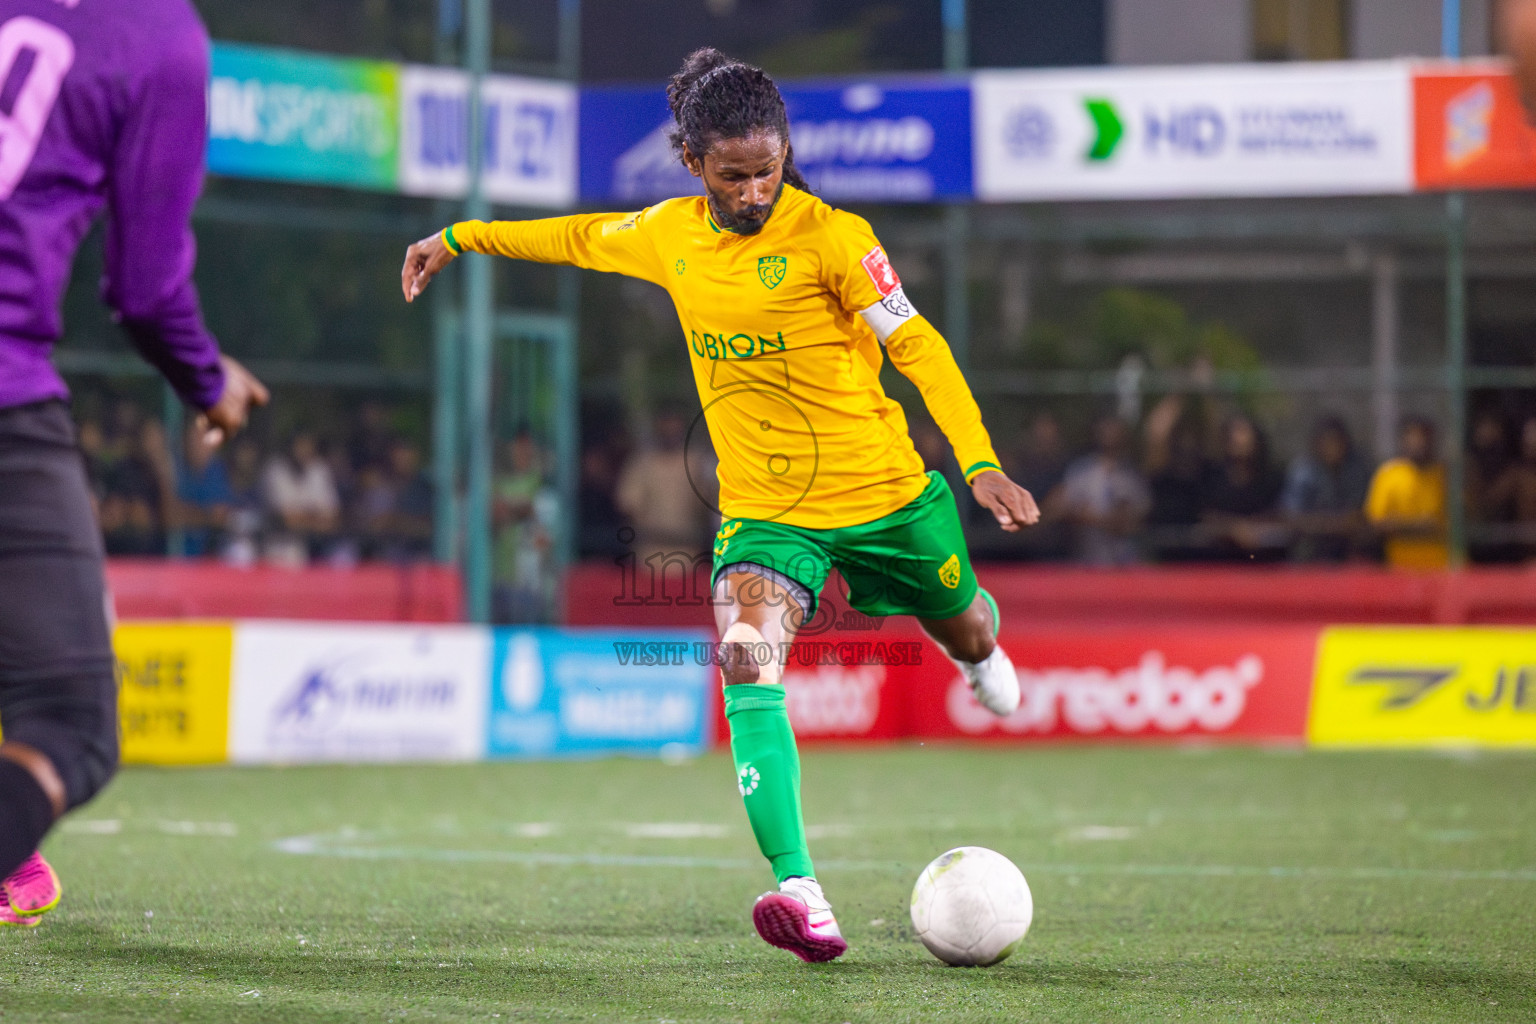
(523, 515)
(204, 496)
(1038, 465)
(1512, 498)
(1104, 498)
(1240, 493)
(1406, 501)
(1041, 462)
(1324, 493)
(1488, 457)
(595, 506)
(242, 533)
(136, 489)
(657, 492)
(120, 438)
(410, 523)
(371, 508)
(300, 494)
(370, 442)
(1177, 468)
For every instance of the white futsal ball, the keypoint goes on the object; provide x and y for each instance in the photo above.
(971, 907)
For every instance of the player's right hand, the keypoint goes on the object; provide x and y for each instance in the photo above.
(226, 417)
(422, 263)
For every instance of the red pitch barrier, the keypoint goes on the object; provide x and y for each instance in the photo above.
(599, 594)
(161, 589)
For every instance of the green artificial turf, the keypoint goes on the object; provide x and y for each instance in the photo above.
(1169, 883)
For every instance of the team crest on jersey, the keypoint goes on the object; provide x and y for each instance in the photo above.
(771, 270)
(949, 572)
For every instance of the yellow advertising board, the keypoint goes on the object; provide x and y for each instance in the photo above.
(1423, 686)
(174, 691)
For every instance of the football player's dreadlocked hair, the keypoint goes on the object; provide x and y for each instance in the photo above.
(714, 98)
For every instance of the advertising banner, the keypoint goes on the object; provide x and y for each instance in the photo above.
(529, 144)
(174, 691)
(854, 680)
(282, 114)
(1134, 683)
(311, 693)
(873, 141)
(1244, 130)
(558, 692)
(1470, 129)
(1417, 686)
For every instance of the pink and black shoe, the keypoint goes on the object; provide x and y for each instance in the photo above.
(33, 888)
(799, 918)
(10, 919)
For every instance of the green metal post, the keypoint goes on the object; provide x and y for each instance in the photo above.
(567, 400)
(568, 47)
(957, 217)
(567, 395)
(479, 307)
(446, 351)
(446, 420)
(1455, 326)
(176, 444)
(1456, 372)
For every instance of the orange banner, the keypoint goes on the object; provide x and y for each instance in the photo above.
(1470, 130)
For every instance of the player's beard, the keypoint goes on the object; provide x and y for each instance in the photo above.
(750, 220)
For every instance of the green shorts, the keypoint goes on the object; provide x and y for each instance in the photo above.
(910, 562)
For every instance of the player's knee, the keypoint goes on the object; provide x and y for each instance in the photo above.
(746, 657)
(73, 723)
(737, 664)
(975, 646)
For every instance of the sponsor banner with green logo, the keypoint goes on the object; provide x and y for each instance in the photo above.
(1242, 130)
(282, 114)
(306, 117)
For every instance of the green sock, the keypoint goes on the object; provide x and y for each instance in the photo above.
(768, 775)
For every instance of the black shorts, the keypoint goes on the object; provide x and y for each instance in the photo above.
(55, 641)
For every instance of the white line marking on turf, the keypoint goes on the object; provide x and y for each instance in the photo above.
(322, 846)
(1239, 871)
(675, 830)
(535, 829)
(198, 828)
(316, 846)
(93, 826)
(1098, 832)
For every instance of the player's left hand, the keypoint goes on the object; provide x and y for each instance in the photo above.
(423, 261)
(242, 393)
(1013, 506)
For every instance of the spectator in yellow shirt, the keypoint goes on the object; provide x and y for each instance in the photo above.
(1406, 503)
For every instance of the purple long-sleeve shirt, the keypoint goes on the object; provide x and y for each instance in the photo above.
(102, 103)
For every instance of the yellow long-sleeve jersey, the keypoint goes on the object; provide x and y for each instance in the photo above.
(784, 330)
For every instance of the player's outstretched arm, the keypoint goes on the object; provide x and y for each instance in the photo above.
(617, 243)
(423, 261)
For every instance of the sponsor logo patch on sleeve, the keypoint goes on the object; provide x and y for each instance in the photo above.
(880, 271)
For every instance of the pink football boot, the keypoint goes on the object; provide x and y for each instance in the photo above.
(799, 918)
(33, 888)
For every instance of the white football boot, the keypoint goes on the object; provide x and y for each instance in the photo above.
(799, 918)
(993, 680)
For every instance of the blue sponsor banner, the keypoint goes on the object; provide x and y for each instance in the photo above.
(866, 141)
(295, 116)
(574, 693)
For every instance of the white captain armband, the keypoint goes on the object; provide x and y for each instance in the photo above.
(886, 316)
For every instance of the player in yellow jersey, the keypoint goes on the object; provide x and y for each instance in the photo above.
(786, 305)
